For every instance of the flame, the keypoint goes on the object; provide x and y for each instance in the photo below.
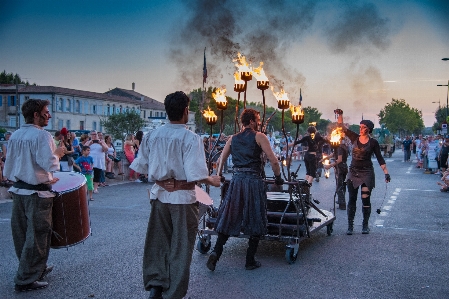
(281, 95)
(209, 113)
(327, 173)
(259, 73)
(296, 110)
(242, 64)
(219, 95)
(336, 135)
(238, 79)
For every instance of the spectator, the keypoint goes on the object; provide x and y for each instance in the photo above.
(406, 144)
(76, 146)
(66, 161)
(130, 155)
(444, 154)
(97, 152)
(57, 138)
(85, 165)
(137, 142)
(112, 158)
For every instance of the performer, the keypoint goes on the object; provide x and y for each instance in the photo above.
(243, 208)
(361, 170)
(31, 159)
(174, 158)
(341, 171)
(310, 160)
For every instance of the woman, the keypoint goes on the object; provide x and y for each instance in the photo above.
(130, 154)
(97, 151)
(111, 158)
(66, 162)
(137, 142)
(361, 170)
(243, 208)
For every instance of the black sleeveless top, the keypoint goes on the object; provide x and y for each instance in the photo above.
(246, 153)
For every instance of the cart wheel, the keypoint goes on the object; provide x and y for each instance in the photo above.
(330, 229)
(290, 255)
(204, 244)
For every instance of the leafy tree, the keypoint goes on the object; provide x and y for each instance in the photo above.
(399, 117)
(440, 116)
(121, 124)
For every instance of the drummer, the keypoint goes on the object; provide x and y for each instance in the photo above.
(32, 157)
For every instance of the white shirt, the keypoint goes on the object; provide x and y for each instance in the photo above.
(98, 155)
(172, 151)
(30, 158)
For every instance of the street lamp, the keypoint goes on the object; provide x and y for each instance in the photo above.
(447, 96)
(439, 105)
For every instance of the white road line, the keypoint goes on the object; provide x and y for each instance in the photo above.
(379, 222)
(387, 208)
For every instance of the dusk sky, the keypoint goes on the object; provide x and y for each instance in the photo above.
(355, 55)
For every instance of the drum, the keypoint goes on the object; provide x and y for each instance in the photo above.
(71, 224)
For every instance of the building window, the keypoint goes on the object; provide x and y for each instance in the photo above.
(113, 109)
(120, 109)
(157, 113)
(82, 125)
(60, 124)
(144, 114)
(12, 121)
(68, 125)
(68, 106)
(11, 101)
(60, 103)
(94, 110)
(151, 113)
(94, 125)
(77, 106)
(108, 110)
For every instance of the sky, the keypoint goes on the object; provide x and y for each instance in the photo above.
(354, 55)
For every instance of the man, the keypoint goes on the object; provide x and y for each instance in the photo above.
(173, 157)
(57, 138)
(32, 157)
(243, 209)
(406, 148)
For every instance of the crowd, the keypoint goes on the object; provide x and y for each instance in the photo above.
(431, 154)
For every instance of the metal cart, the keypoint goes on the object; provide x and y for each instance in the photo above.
(292, 216)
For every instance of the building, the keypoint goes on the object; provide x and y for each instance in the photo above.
(78, 109)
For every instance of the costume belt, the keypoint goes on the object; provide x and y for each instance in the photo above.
(244, 169)
(175, 185)
(40, 187)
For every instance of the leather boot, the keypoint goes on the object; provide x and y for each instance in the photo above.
(351, 214)
(251, 262)
(216, 252)
(366, 213)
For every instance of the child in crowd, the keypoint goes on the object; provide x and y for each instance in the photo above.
(85, 165)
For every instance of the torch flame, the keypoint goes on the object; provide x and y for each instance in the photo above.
(219, 95)
(336, 135)
(296, 110)
(238, 79)
(281, 95)
(209, 113)
(259, 73)
(242, 64)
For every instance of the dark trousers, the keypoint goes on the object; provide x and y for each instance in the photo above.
(341, 185)
(31, 222)
(169, 243)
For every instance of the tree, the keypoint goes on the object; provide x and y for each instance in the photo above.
(399, 117)
(121, 124)
(440, 116)
(10, 78)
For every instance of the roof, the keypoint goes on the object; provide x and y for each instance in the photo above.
(146, 102)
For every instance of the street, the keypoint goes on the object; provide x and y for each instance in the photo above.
(404, 256)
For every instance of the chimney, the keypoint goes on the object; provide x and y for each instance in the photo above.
(134, 85)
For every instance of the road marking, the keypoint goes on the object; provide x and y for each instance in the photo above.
(379, 222)
(391, 201)
(387, 208)
(409, 169)
(422, 190)
(393, 197)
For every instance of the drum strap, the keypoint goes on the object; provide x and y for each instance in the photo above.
(22, 185)
(174, 185)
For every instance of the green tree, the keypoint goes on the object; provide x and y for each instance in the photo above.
(400, 118)
(121, 124)
(440, 116)
(10, 78)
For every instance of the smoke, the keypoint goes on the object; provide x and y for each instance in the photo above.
(359, 27)
(261, 30)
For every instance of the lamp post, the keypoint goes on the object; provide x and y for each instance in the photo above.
(447, 96)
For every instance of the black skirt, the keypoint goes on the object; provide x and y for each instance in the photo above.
(243, 209)
(360, 175)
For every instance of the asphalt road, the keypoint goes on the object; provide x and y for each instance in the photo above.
(404, 256)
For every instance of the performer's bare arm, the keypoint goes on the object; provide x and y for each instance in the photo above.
(224, 155)
(264, 143)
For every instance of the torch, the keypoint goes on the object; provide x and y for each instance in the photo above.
(220, 99)
(283, 103)
(246, 73)
(336, 137)
(262, 84)
(211, 120)
(239, 86)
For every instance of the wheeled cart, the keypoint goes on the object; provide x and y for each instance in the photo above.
(292, 216)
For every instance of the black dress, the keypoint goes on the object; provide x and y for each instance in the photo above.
(243, 209)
